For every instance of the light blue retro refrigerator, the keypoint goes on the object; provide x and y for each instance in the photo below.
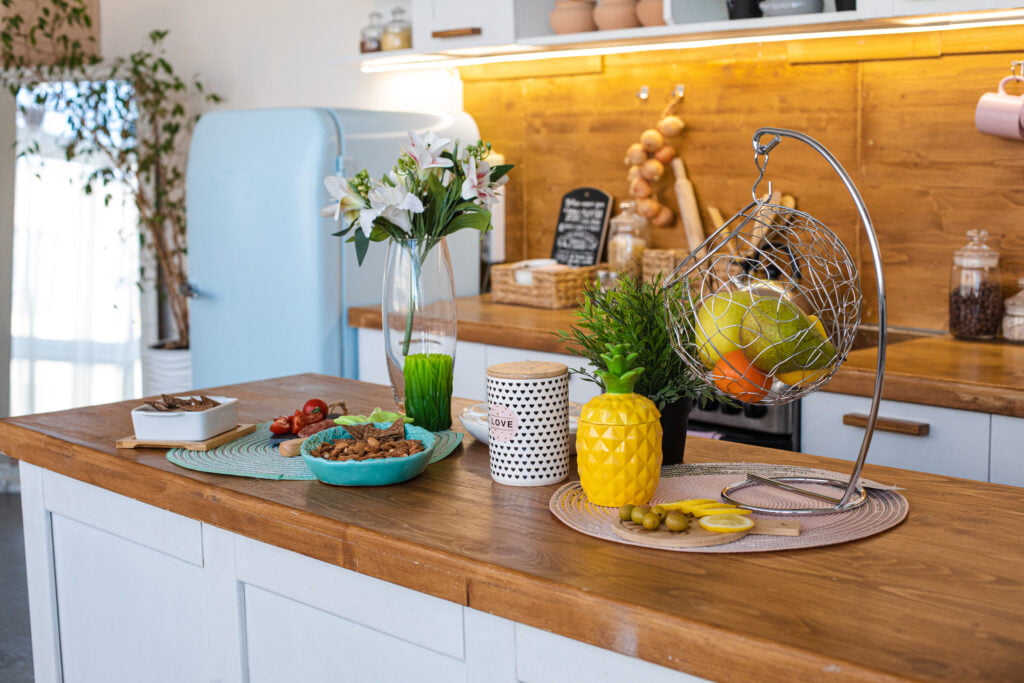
(272, 284)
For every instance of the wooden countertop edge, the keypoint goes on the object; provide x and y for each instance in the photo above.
(508, 333)
(927, 391)
(583, 615)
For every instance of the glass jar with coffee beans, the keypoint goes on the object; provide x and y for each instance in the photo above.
(975, 294)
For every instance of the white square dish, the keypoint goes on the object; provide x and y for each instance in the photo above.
(156, 425)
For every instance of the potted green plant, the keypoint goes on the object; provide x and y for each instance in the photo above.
(130, 114)
(633, 314)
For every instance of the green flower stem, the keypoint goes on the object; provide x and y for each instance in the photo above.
(428, 390)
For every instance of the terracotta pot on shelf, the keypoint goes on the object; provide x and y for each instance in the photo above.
(572, 16)
(651, 12)
(616, 14)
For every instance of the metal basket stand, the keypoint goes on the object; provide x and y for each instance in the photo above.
(852, 494)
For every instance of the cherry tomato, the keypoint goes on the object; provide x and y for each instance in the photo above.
(315, 406)
(281, 425)
(737, 377)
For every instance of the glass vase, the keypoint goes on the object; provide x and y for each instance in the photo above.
(419, 329)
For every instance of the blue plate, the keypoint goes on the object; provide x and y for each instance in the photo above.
(371, 472)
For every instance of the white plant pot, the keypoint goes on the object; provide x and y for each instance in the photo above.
(166, 371)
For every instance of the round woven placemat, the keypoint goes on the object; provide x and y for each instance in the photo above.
(884, 508)
(256, 455)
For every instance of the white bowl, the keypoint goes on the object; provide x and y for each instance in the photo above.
(474, 419)
(155, 425)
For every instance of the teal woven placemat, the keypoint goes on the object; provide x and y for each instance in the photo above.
(256, 455)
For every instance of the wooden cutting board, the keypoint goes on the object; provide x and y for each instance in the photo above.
(697, 536)
(211, 443)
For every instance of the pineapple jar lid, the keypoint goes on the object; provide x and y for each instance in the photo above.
(527, 369)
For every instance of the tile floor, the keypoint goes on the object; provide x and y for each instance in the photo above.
(15, 640)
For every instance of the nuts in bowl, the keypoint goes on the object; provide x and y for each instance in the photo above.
(372, 454)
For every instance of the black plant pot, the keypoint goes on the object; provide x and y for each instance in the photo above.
(742, 9)
(674, 419)
(846, 5)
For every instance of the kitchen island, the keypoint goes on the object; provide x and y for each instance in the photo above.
(173, 574)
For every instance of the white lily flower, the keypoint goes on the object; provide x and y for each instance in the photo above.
(346, 202)
(426, 151)
(393, 203)
(477, 185)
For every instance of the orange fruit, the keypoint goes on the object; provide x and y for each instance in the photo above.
(736, 376)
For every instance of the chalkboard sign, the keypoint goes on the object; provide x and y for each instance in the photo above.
(582, 224)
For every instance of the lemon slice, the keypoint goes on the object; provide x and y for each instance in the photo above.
(723, 510)
(686, 505)
(726, 524)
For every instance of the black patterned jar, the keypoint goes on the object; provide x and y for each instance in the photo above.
(528, 422)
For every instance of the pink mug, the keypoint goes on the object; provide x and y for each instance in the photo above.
(1001, 114)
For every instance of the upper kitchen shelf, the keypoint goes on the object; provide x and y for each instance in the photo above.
(453, 32)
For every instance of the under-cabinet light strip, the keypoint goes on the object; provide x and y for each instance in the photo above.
(911, 25)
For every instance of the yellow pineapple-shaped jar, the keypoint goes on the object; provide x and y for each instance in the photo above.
(618, 438)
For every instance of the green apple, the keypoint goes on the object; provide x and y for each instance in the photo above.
(719, 321)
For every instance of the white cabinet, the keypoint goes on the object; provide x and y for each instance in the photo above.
(1007, 455)
(959, 443)
(453, 24)
(148, 595)
(475, 29)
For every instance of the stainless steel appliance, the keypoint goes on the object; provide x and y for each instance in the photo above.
(774, 426)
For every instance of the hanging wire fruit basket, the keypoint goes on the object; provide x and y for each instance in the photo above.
(769, 309)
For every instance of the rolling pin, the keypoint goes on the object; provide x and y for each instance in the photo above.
(688, 206)
(717, 221)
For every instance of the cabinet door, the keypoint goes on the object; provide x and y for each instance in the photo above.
(453, 24)
(1007, 456)
(307, 620)
(126, 585)
(956, 443)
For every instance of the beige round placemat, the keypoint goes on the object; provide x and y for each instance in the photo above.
(884, 508)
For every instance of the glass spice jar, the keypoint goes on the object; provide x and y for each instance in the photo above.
(975, 294)
(370, 36)
(630, 235)
(1013, 319)
(397, 32)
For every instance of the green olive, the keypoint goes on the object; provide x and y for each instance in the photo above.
(677, 521)
(660, 510)
(652, 520)
(626, 512)
(637, 515)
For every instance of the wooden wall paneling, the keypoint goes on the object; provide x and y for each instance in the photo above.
(931, 176)
(898, 118)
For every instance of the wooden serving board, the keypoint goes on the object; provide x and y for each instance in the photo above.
(697, 536)
(209, 444)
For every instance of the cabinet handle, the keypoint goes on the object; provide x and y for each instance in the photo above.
(457, 32)
(887, 424)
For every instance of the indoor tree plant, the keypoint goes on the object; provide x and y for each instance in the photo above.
(633, 315)
(434, 189)
(129, 115)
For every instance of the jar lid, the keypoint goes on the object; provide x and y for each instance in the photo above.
(976, 253)
(527, 369)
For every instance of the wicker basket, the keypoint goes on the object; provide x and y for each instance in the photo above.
(551, 288)
(662, 261)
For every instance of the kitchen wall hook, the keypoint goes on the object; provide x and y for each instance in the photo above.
(1017, 68)
(679, 91)
(643, 93)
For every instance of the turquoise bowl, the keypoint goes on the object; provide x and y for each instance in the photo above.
(371, 472)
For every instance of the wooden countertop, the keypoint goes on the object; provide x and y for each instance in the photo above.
(941, 371)
(937, 597)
